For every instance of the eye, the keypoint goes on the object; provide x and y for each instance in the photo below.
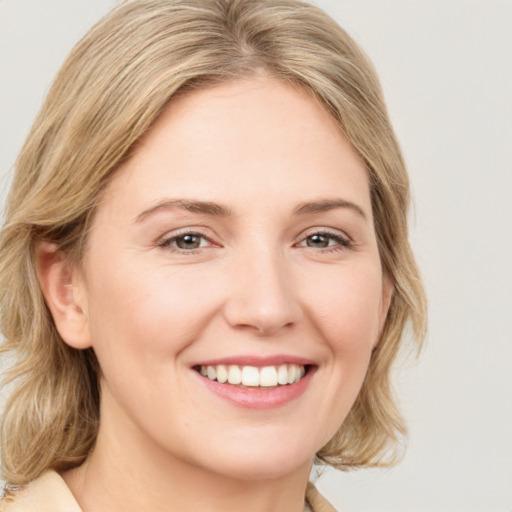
(325, 240)
(186, 242)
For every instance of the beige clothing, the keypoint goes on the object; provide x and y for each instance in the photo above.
(49, 493)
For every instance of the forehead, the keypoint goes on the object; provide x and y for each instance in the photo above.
(257, 140)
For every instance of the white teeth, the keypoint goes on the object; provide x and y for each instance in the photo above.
(282, 375)
(268, 376)
(222, 373)
(252, 376)
(211, 372)
(234, 374)
(291, 374)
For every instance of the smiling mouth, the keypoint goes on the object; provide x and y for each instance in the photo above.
(253, 376)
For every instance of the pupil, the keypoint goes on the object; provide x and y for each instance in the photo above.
(318, 241)
(188, 242)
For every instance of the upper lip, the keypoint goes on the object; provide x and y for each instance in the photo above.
(258, 361)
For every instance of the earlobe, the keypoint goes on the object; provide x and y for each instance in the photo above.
(63, 290)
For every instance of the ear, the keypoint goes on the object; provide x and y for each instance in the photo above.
(64, 291)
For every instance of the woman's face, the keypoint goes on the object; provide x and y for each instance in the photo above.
(237, 242)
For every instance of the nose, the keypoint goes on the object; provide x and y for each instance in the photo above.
(262, 296)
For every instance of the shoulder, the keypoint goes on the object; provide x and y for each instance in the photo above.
(48, 493)
(316, 501)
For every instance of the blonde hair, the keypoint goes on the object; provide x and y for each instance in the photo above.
(110, 90)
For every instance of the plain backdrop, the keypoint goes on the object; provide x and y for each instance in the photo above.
(446, 69)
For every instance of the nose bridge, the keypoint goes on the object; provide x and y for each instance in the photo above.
(262, 296)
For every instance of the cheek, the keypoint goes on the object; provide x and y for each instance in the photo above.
(146, 316)
(346, 314)
(348, 309)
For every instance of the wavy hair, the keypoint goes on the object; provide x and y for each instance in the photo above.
(110, 90)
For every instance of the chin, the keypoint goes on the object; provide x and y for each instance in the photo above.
(273, 459)
(262, 468)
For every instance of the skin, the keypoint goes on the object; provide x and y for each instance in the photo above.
(259, 283)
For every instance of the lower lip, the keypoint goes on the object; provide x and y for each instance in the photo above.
(260, 397)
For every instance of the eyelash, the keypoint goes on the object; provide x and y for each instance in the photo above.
(167, 242)
(341, 242)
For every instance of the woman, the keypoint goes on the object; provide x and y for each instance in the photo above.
(205, 271)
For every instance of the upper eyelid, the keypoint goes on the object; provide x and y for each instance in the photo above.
(200, 231)
(167, 239)
(193, 230)
(324, 231)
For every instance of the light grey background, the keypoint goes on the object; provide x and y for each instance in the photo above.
(447, 75)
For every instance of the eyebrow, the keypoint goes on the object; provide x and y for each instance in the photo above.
(323, 205)
(219, 210)
(190, 205)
